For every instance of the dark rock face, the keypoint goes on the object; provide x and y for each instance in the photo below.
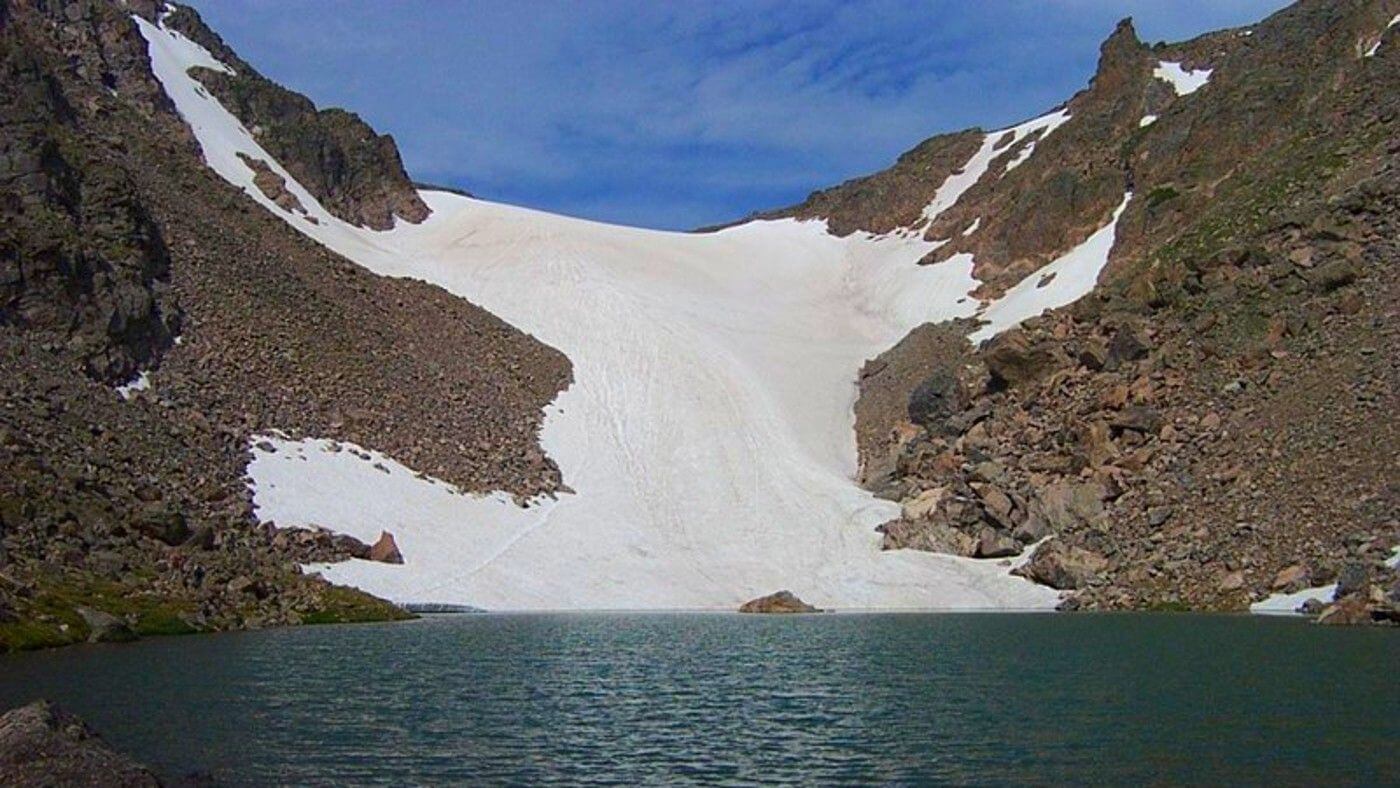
(936, 399)
(780, 602)
(354, 172)
(929, 360)
(891, 198)
(41, 745)
(82, 263)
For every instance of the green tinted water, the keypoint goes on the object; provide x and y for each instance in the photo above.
(724, 698)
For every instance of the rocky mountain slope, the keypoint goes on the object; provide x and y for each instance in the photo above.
(1212, 424)
(124, 262)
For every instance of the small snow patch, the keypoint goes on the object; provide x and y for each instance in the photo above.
(139, 383)
(1288, 604)
(1147, 120)
(973, 227)
(1183, 81)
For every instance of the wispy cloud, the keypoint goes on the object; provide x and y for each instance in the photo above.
(681, 114)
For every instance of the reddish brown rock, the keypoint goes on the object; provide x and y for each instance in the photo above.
(385, 550)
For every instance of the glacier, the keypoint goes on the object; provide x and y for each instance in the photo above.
(707, 439)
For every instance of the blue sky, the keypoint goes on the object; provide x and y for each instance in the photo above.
(680, 114)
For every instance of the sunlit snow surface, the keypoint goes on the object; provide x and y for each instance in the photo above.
(707, 435)
(1183, 81)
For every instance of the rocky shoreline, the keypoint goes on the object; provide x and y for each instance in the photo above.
(42, 745)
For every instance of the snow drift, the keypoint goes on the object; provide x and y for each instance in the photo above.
(708, 435)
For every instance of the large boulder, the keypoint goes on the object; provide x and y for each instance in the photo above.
(780, 602)
(936, 399)
(104, 627)
(162, 523)
(923, 504)
(930, 536)
(41, 745)
(1012, 359)
(1066, 505)
(385, 551)
(1062, 566)
(992, 543)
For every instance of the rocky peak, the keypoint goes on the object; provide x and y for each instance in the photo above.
(1122, 88)
(1120, 57)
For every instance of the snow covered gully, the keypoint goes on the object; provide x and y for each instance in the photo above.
(708, 434)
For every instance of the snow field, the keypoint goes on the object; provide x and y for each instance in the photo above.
(708, 433)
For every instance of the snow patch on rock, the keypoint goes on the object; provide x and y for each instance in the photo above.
(1376, 47)
(1064, 281)
(955, 185)
(1288, 604)
(1184, 81)
(139, 383)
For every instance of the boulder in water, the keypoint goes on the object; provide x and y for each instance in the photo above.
(781, 602)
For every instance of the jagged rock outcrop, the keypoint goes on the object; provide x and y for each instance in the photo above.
(385, 550)
(42, 745)
(82, 263)
(355, 173)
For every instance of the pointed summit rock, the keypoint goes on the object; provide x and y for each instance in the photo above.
(386, 550)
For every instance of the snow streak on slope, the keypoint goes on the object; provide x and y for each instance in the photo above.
(1064, 281)
(1183, 81)
(707, 434)
(1376, 47)
(955, 185)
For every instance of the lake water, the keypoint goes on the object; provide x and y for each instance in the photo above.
(645, 699)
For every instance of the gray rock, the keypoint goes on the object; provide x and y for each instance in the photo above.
(1031, 529)
(996, 544)
(1066, 505)
(1354, 577)
(40, 745)
(105, 627)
